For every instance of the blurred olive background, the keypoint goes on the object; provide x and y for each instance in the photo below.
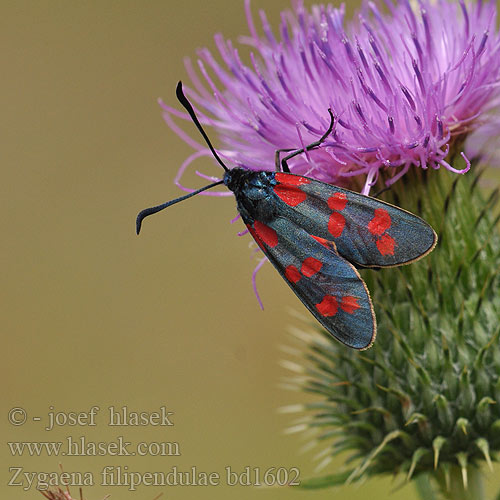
(93, 314)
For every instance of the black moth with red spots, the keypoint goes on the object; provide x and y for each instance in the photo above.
(315, 235)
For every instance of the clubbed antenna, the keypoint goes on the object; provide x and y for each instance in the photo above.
(183, 100)
(153, 210)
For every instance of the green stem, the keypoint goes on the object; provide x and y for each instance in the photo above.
(455, 489)
(424, 487)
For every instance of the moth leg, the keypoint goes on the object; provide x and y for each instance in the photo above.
(284, 164)
(383, 190)
(277, 160)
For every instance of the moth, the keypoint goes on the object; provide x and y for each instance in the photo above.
(316, 235)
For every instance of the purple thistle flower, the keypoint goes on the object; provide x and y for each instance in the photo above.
(403, 86)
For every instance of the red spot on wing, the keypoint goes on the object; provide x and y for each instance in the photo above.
(291, 180)
(380, 222)
(292, 274)
(338, 201)
(336, 224)
(386, 245)
(310, 266)
(290, 195)
(327, 244)
(256, 238)
(349, 304)
(328, 306)
(267, 234)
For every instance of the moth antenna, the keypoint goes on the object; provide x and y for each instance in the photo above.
(183, 100)
(153, 210)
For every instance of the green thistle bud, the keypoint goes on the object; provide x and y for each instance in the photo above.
(424, 400)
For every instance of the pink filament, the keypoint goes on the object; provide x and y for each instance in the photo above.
(186, 164)
(254, 282)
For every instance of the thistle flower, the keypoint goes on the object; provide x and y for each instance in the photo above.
(404, 87)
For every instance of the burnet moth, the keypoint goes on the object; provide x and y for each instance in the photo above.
(317, 234)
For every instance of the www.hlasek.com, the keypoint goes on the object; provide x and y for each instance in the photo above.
(82, 447)
(111, 476)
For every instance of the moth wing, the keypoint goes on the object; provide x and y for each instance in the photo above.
(366, 231)
(328, 285)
